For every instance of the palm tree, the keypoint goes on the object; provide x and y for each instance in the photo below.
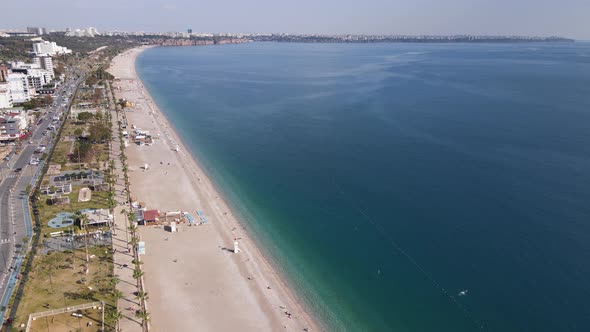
(124, 212)
(117, 295)
(53, 189)
(142, 296)
(97, 159)
(134, 241)
(144, 316)
(138, 273)
(131, 217)
(116, 316)
(51, 266)
(111, 200)
(114, 281)
(84, 224)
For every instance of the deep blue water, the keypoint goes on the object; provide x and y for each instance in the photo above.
(384, 179)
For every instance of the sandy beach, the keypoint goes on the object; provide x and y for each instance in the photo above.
(195, 282)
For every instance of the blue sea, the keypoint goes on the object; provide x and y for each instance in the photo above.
(401, 187)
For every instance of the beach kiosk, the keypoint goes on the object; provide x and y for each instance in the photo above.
(141, 248)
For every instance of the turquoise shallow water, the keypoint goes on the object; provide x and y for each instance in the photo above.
(384, 179)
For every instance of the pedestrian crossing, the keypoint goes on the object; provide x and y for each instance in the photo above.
(2, 241)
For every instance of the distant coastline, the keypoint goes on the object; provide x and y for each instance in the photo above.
(408, 39)
(212, 39)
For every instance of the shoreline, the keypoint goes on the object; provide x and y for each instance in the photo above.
(264, 294)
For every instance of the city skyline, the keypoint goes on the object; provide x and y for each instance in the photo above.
(421, 17)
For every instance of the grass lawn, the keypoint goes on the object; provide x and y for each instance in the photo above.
(66, 322)
(103, 152)
(70, 127)
(57, 280)
(60, 155)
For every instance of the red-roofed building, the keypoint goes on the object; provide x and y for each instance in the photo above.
(151, 217)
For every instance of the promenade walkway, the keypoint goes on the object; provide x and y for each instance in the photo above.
(123, 255)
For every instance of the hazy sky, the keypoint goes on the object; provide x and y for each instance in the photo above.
(568, 18)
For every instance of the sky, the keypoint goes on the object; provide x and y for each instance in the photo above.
(567, 18)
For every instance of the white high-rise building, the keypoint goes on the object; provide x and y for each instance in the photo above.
(46, 63)
(5, 96)
(18, 84)
(49, 48)
(89, 32)
(38, 77)
(35, 30)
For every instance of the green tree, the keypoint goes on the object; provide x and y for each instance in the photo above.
(134, 241)
(142, 296)
(84, 226)
(85, 116)
(114, 281)
(137, 273)
(144, 316)
(99, 132)
(116, 316)
(117, 295)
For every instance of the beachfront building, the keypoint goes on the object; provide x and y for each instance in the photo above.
(8, 128)
(49, 48)
(12, 127)
(37, 31)
(39, 73)
(18, 84)
(13, 123)
(38, 78)
(88, 32)
(3, 73)
(5, 96)
(150, 217)
(44, 61)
